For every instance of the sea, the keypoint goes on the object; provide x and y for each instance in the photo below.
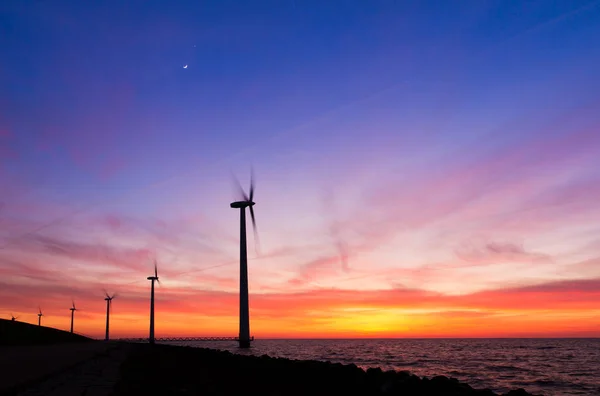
(540, 366)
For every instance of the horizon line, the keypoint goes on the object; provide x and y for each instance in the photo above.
(376, 338)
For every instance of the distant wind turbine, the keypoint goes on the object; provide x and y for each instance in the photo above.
(40, 314)
(152, 278)
(108, 299)
(73, 309)
(244, 335)
(13, 318)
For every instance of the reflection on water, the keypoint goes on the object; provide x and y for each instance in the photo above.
(546, 366)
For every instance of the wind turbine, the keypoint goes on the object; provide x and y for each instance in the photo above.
(108, 300)
(40, 314)
(13, 318)
(73, 309)
(152, 278)
(244, 335)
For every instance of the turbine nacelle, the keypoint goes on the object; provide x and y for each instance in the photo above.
(108, 297)
(241, 204)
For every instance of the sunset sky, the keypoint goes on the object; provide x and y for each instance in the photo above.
(423, 168)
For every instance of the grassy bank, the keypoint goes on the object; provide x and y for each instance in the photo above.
(173, 370)
(19, 333)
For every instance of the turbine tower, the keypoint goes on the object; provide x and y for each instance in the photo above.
(73, 309)
(152, 278)
(108, 300)
(244, 335)
(40, 314)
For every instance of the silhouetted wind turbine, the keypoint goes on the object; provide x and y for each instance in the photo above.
(40, 314)
(152, 278)
(13, 318)
(73, 309)
(108, 307)
(244, 336)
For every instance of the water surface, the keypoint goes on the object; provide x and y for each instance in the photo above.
(543, 366)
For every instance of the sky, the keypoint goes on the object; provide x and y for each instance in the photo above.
(422, 168)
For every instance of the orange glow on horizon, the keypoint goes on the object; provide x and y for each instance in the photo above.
(327, 314)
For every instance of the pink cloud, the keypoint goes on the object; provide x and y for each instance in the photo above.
(318, 269)
(492, 252)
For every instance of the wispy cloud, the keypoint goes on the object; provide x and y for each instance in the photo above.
(492, 252)
(120, 257)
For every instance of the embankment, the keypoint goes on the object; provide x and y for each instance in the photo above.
(18, 333)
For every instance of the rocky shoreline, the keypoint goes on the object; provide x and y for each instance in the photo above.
(178, 370)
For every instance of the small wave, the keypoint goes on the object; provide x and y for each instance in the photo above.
(501, 367)
(576, 374)
(549, 383)
(412, 364)
(461, 373)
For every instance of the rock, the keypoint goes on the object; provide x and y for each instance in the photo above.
(518, 392)
(373, 374)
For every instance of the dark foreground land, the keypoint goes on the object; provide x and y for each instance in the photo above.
(30, 353)
(172, 370)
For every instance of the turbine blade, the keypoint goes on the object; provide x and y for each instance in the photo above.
(251, 184)
(256, 238)
(239, 187)
(155, 268)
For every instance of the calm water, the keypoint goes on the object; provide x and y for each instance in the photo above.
(543, 366)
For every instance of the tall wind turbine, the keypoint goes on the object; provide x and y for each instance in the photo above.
(244, 335)
(40, 314)
(152, 278)
(73, 309)
(108, 307)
